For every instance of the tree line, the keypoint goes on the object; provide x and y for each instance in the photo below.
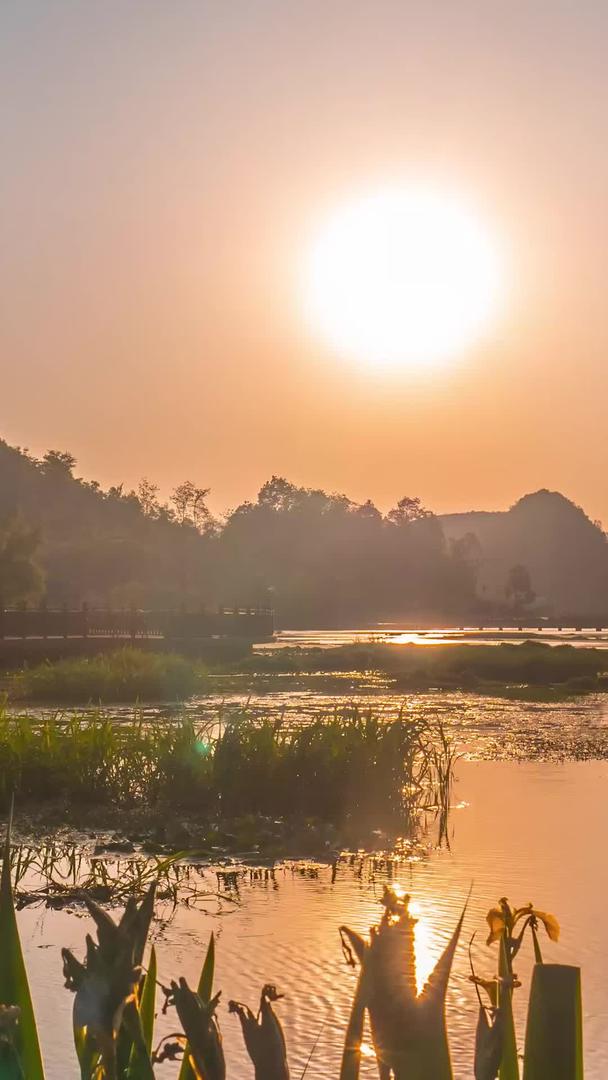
(318, 558)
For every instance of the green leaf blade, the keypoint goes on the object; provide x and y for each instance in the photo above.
(509, 1065)
(351, 1056)
(148, 1001)
(140, 1066)
(204, 990)
(554, 1038)
(14, 986)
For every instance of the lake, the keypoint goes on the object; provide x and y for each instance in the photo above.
(525, 824)
(396, 635)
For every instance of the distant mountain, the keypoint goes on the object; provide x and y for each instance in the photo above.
(565, 553)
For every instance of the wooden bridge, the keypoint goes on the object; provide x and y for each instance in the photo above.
(49, 633)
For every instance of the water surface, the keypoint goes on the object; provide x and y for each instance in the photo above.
(478, 635)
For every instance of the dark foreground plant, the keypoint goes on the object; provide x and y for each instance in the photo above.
(554, 1030)
(408, 1029)
(264, 1036)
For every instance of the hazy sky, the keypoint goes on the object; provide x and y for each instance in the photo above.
(163, 167)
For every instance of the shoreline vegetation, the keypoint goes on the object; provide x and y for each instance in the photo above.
(230, 784)
(124, 675)
(446, 666)
(527, 669)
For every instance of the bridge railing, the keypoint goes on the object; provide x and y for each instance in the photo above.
(132, 624)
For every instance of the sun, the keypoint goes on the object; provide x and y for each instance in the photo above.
(404, 276)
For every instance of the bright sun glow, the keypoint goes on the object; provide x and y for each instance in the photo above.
(406, 276)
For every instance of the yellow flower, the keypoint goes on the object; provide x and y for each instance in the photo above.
(549, 922)
(505, 918)
(499, 919)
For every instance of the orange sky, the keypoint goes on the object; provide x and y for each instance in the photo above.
(163, 166)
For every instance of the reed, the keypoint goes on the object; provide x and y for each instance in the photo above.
(124, 675)
(462, 666)
(353, 765)
(131, 675)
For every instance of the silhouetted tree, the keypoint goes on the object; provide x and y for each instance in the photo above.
(327, 559)
(58, 462)
(564, 552)
(147, 493)
(190, 505)
(407, 510)
(465, 558)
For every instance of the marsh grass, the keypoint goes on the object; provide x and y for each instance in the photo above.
(465, 666)
(352, 765)
(530, 669)
(125, 675)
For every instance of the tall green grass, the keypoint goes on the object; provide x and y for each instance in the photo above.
(460, 665)
(123, 675)
(130, 675)
(352, 764)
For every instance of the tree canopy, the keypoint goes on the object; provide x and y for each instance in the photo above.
(320, 558)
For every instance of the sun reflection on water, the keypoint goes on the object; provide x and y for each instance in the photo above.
(427, 953)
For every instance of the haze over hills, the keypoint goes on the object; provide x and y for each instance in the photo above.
(565, 553)
(320, 559)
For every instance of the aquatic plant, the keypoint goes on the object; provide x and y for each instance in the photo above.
(20, 1050)
(131, 674)
(408, 1029)
(555, 1004)
(113, 1004)
(59, 874)
(264, 1036)
(463, 666)
(204, 1054)
(554, 1036)
(353, 765)
(127, 674)
(107, 987)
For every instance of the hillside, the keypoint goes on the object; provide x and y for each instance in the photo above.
(565, 553)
